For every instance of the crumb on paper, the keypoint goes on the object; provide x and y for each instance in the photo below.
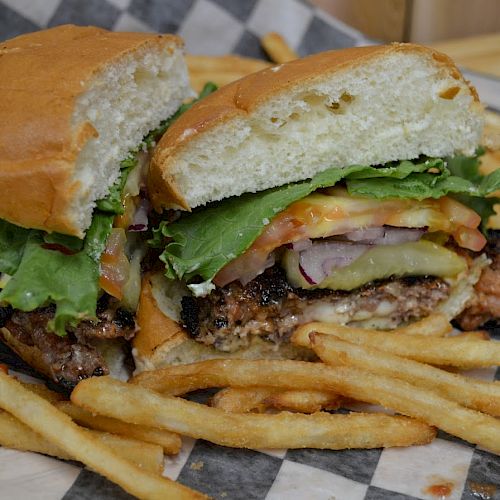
(197, 465)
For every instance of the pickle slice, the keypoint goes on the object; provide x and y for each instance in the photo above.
(420, 258)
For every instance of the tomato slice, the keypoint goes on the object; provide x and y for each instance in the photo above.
(115, 266)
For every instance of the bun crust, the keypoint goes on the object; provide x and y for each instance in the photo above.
(248, 102)
(42, 75)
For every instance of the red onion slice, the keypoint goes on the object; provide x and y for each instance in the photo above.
(317, 262)
(252, 274)
(385, 235)
(365, 235)
(300, 245)
(140, 222)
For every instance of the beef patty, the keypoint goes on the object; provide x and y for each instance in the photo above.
(270, 307)
(73, 357)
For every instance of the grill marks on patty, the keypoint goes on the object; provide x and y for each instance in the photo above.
(269, 307)
(73, 357)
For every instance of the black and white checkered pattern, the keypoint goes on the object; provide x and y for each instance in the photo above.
(234, 26)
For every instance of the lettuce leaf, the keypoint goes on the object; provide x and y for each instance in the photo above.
(12, 242)
(41, 275)
(200, 244)
(468, 168)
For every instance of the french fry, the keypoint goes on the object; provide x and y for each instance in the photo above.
(476, 335)
(477, 394)
(304, 401)
(221, 70)
(243, 400)
(277, 49)
(61, 431)
(14, 434)
(147, 456)
(435, 325)
(250, 430)
(170, 442)
(448, 351)
(224, 64)
(351, 382)
(44, 392)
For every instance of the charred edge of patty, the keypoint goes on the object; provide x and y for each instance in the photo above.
(73, 357)
(270, 307)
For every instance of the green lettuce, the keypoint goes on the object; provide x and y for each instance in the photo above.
(201, 243)
(468, 168)
(42, 275)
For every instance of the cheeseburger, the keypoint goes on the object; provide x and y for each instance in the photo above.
(342, 187)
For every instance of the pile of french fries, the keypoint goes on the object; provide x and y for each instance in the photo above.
(122, 430)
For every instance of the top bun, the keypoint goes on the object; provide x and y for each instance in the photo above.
(74, 101)
(365, 105)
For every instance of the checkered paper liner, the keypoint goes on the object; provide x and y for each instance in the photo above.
(218, 27)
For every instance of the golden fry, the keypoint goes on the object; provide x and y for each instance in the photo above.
(61, 431)
(435, 325)
(452, 351)
(304, 401)
(348, 381)
(221, 70)
(476, 335)
(43, 391)
(141, 406)
(242, 399)
(476, 394)
(170, 442)
(259, 399)
(277, 49)
(14, 434)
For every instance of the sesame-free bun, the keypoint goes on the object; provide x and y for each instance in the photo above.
(365, 105)
(74, 101)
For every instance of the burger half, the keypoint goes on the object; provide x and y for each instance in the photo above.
(80, 109)
(342, 187)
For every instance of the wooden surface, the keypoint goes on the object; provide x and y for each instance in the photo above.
(432, 20)
(420, 21)
(380, 19)
(479, 53)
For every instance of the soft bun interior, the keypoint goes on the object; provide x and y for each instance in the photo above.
(370, 108)
(123, 103)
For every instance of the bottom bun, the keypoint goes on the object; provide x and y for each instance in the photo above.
(161, 341)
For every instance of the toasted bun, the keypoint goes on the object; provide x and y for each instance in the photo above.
(365, 105)
(161, 341)
(74, 101)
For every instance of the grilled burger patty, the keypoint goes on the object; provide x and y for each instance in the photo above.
(270, 307)
(73, 357)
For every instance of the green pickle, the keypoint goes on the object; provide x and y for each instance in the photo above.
(419, 258)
